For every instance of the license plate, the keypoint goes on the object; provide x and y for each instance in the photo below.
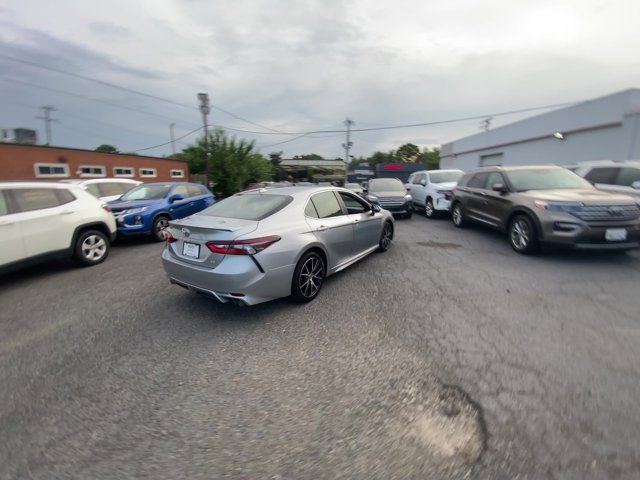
(191, 250)
(615, 234)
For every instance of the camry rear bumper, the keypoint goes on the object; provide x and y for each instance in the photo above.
(236, 278)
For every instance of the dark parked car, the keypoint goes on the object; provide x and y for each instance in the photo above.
(390, 194)
(546, 204)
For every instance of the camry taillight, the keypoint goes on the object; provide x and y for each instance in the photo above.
(170, 238)
(250, 246)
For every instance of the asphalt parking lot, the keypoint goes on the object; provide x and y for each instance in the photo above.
(449, 356)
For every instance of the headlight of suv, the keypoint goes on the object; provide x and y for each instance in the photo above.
(407, 197)
(557, 206)
(135, 210)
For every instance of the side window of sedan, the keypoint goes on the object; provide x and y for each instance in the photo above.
(353, 204)
(327, 205)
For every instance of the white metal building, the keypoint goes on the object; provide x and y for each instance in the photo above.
(606, 128)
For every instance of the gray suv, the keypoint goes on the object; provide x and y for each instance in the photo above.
(546, 204)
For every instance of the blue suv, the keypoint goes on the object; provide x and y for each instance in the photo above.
(147, 208)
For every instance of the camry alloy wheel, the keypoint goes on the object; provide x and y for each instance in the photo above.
(94, 248)
(387, 235)
(520, 234)
(311, 276)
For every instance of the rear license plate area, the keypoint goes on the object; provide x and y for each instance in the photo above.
(191, 250)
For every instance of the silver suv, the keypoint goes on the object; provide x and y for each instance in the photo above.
(618, 177)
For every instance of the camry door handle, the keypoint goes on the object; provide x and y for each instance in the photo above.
(321, 228)
(67, 212)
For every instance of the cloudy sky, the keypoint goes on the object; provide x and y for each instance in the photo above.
(296, 66)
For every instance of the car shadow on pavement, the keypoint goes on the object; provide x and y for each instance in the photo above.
(41, 270)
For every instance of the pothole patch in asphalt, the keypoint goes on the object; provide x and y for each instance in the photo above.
(434, 244)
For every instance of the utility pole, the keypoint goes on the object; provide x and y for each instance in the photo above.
(486, 124)
(173, 137)
(205, 109)
(348, 144)
(46, 110)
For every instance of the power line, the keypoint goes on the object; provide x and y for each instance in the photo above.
(167, 143)
(129, 90)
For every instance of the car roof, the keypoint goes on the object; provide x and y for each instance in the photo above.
(79, 181)
(499, 168)
(36, 184)
(302, 190)
(172, 183)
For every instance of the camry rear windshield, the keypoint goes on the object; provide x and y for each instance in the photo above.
(248, 206)
(545, 179)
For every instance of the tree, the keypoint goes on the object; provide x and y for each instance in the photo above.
(278, 174)
(431, 158)
(381, 157)
(233, 163)
(106, 148)
(309, 156)
(408, 153)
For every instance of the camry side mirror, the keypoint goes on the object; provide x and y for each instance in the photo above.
(499, 187)
(375, 208)
(636, 185)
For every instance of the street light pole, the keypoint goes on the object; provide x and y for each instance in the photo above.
(205, 109)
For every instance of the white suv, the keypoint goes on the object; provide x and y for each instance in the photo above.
(619, 177)
(431, 190)
(106, 189)
(41, 220)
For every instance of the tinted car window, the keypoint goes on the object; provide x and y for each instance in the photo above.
(386, 185)
(93, 189)
(28, 199)
(353, 204)
(628, 175)
(64, 196)
(418, 178)
(109, 189)
(492, 179)
(147, 192)
(326, 205)
(195, 190)
(602, 175)
(3, 205)
(479, 180)
(443, 177)
(310, 210)
(181, 190)
(247, 206)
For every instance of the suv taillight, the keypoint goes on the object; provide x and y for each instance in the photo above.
(242, 247)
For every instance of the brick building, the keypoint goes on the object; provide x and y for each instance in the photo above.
(31, 162)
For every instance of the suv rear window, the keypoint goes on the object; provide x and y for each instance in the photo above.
(28, 199)
(602, 175)
(248, 206)
(627, 176)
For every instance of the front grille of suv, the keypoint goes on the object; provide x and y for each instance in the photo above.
(607, 213)
(390, 202)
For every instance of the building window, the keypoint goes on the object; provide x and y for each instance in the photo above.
(92, 171)
(123, 172)
(492, 160)
(148, 172)
(177, 173)
(51, 169)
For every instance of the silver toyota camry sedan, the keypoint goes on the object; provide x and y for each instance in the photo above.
(264, 244)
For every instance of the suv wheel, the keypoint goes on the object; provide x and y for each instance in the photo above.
(522, 234)
(160, 225)
(429, 211)
(308, 277)
(457, 216)
(91, 248)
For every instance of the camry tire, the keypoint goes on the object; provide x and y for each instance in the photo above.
(91, 248)
(385, 237)
(522, 234)
(160, 225)
(457, 216)
(308, 277)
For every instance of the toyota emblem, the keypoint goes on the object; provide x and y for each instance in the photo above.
(186, 232)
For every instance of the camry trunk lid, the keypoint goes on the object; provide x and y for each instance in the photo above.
(191, 235)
